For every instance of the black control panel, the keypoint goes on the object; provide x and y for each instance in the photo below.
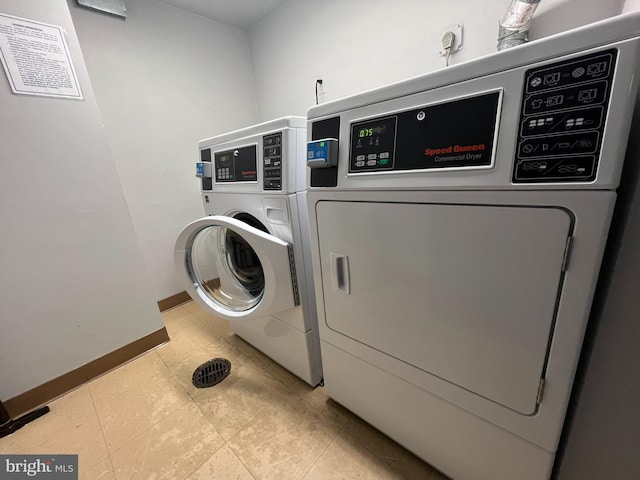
(237, 165)
(272, 161)
(327, 128)
(205, 156)
(562, 119)
(454, 134)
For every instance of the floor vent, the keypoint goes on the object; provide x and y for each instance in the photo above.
(211, 373)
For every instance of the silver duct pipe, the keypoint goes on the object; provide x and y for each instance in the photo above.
(514, 25)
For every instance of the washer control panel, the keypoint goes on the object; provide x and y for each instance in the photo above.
(562, 120)
(237, 165)
(272, 161)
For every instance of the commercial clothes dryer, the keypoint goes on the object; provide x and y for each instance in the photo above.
(457, 233)
(245, 261)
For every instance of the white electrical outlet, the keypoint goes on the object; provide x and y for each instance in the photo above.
(457, 30)
(321, 88)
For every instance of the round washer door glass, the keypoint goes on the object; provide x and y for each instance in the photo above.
(227, 268)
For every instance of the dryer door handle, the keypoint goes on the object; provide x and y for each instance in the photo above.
(340, 273)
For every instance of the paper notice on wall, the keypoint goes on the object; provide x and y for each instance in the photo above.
(36, 58)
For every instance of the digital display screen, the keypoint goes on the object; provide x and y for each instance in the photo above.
(378, 129)
(373, 144)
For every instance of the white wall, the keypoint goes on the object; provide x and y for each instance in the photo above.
(72, 282)
(164, 79)
(631, 6)
(357, 45)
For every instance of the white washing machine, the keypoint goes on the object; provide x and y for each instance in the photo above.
(245, 261)
(457, 234)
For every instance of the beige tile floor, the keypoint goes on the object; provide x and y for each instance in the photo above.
(145, 420)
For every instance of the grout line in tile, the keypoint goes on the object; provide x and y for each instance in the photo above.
(243, 464)
(321, 454)
(104, 439)
(204, 461)
(210, 422)
(227, 442)
(249, 422)
(167, 415)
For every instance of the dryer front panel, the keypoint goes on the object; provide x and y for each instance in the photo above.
(467, 293)
(235, 269)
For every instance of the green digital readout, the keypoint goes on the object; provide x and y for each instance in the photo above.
(366, 132)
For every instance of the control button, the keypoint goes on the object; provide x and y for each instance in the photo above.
(552, 78)
(597, 68)
(384, 155)
(579, 96)
(371, 163)
(371, 156)
(310, 154)
(536, 81)
(587, 95)
(578, 72)
(559, 145)
(384, 161)
(576, 122)
(360, 157)
(360, 163)
(554, 100)
(267, 161)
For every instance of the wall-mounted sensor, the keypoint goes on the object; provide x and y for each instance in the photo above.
(322, 153)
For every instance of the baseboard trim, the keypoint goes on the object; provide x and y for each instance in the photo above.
(45, 393)
(173, 301)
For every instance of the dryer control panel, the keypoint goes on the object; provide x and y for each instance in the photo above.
(562, 120)
(272, 161)
(453, 135)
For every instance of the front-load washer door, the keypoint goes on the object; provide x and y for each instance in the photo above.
(235, 270)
